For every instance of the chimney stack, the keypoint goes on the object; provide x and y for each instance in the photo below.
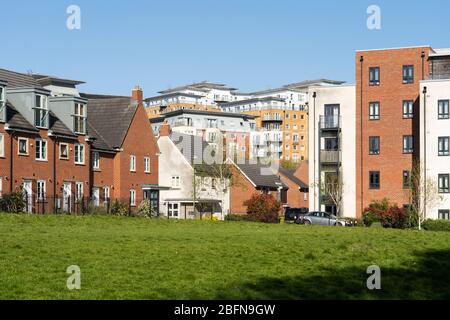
(164, 130)
(137, 95)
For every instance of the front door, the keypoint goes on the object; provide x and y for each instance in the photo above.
(96, 197)
(67, 195)
(28, 196)
(153, 196)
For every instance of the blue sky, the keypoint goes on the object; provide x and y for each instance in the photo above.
(244, 43)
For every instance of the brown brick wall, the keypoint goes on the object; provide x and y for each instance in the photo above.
(241, 190)
(391, 127)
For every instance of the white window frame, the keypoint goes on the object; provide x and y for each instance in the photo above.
(43, 111)
(2, 104)
(147, 164)
(132, 197)
(2, 145)
(173, 212)
(79, 117)
(41, 152)
(27, 150)
(96, 160)
(41, 187)
(79, 193)
(106, 193)
(60, 153)
(176, 181)
(1, 187)
(133, 163)
(79, 151)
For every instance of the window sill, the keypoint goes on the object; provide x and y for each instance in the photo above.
(80, 164)
(64, 159)
(42, 160)
(96, 170)
(23, 154)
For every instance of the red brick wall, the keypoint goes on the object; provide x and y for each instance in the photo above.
(104, 176)
(296, 198)
(241, 190)
(391, 127)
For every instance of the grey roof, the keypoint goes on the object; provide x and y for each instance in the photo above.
(16, 121)
(100, 96)
(217, 113)
(262, 176)
(46, 80)
(111, 119)
(290, 174)
(201, 86)
(174, 94)
(308, 83)
(99, 143)
(18, 80)
(192, 147)
(58, 127)
(251, 100)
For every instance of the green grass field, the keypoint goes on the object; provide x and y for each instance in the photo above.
(134, 258)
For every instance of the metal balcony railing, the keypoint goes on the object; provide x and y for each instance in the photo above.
(330, 156)
(330, 122)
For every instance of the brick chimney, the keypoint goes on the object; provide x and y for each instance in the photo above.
(164, 130)
(137, 95)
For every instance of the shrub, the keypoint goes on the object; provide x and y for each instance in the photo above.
(119, 209)
(390, 216)
(263, 208)
(13, 202)
(145, 209)
(437, 225)
(355, 222)
(237, 217)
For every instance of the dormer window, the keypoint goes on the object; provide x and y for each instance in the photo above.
(41, 111)
(2, 104)
(80, 118)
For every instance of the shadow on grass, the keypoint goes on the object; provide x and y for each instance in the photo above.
(427, 278)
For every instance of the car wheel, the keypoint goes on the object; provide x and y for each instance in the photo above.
(337, 224)
(307, 222)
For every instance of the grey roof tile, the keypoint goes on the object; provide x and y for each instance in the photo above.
(15, 120)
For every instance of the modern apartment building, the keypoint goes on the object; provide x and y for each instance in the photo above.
(434, 144)
(197, 96)
(234, 130)
(332, 148)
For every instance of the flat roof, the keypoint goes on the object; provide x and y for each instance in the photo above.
(394, 48)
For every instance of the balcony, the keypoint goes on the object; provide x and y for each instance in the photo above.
(330, 122)
(272, 118)
(330, 156)
(443, 76)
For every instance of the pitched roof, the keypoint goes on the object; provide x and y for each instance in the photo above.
(100, 96)
(16, 120)
(290, 174)
(192, 147)
(58, 127)
(262, 176)
(17, 80)
(111, 119)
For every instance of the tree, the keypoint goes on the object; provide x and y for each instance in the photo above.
(332, 187)
(423, 192)
(263, 207)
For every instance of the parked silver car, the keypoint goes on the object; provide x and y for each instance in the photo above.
(322, 219)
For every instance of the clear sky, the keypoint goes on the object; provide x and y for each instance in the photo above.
(246, 44)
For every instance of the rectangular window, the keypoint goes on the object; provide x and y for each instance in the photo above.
(95, 160)
(106, 193)
(173, 210)
(132, 197)
(22, 146)
(147, 164)
(2, 145)
(374, 179)
(408, 144)
(41, 190)
(444, 214)
(2, 104)
(41, 149)
(443, 146)
(374, 145)
(374, 111)
(133, 163)
(408, 109)
(443, 180)
(175, 181)
(64, 151)
(374, 76)
(408, 74)
(41, 111)
(79, 153)
(406, 179)
(80, 118)
(79, 190)
(443, 112)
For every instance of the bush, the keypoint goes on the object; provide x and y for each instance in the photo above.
(390, 216)
(437, 225)
(237, 217)
(145, 209)
(263, 208)
(13, 202)
(119, 209)
(355, 222)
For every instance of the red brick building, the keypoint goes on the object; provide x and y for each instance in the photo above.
(297, 182)
(387, 122)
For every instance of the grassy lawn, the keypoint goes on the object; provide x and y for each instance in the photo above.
(134, 258)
